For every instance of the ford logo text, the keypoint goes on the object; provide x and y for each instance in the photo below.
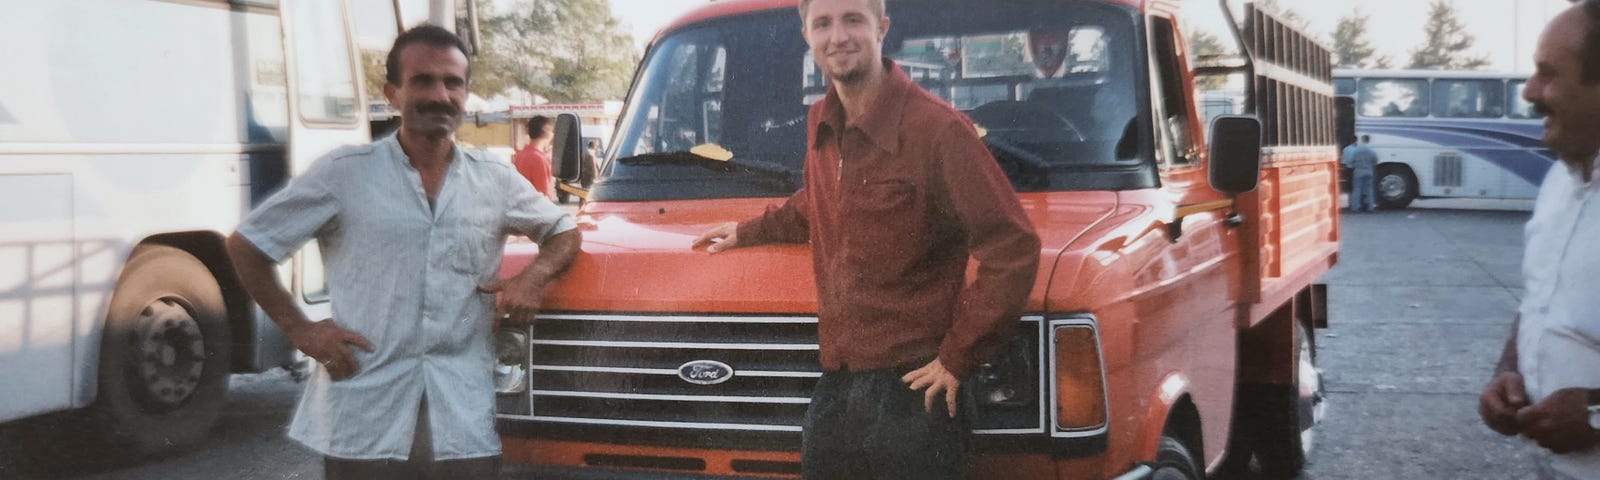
(705, 372)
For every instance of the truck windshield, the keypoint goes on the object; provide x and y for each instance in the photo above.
(1053, 87)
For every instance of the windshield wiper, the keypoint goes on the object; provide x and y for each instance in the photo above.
(685, 157)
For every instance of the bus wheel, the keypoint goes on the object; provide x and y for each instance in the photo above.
(1283, 444)
(1397, 186)
(163, 355)
(1174, 462)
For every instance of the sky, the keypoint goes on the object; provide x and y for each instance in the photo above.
(1505, 30)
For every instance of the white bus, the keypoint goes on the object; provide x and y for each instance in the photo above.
(1448, 133)
(134, 135)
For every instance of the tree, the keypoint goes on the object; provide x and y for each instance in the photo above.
(1204, 44)
(1350, 45)
(1446, 42)
(563, 50)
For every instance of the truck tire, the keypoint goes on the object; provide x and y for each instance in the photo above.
(1174, 462)
(1397, 186)
(163, 354)
(1284, 440)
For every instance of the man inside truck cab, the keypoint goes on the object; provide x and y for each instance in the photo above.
(899, 193)
(411, 227)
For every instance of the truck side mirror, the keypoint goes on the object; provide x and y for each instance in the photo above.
(1235, 153)
(566, 153)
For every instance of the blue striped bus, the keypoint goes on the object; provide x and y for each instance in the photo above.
(1448, 133)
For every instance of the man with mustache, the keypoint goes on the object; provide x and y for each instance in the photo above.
(1547, 384)
(899, 193)
(411, 229)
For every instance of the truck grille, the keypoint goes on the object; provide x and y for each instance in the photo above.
(615, 378)
(622, 370)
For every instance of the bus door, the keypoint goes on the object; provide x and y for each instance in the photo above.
(326, 111)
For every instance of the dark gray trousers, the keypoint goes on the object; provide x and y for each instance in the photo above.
(870, 425)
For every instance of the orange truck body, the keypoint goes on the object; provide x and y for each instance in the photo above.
(1196, 299)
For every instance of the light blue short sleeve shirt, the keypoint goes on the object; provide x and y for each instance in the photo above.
(404, 275)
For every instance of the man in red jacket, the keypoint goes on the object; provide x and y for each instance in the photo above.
(899, 193)
(533, 161)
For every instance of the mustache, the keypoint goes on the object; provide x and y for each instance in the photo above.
(1541, 109)
(443, 108)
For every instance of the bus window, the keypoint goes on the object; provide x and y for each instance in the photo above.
(1468, 98)
(1344, 86)
(1519, 108)
(326, 78)
(1393, 97)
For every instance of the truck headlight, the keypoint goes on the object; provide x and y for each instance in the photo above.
(511, 362)
(1011, 378)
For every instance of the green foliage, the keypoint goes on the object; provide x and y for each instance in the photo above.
(563, 50)
(1447, 43)
(1351, 48)
(1287, 15)
(1202, 45)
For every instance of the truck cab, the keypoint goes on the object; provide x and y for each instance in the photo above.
(1169, 329)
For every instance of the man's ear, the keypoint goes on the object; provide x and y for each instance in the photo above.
(883, 28)
(389, 90)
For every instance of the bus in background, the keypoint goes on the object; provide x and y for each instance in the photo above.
(134, 135)
(1448, 133)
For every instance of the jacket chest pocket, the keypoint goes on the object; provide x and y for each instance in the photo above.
(881, 214)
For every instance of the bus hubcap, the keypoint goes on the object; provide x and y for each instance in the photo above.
(171, 354)
(1392, 186)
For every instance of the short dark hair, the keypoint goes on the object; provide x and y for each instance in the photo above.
(536, 126)
(875, 5)
(425, 34)
(1589, 53)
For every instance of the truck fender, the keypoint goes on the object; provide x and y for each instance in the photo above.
(1158, 409)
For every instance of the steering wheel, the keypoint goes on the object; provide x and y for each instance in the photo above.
(1015, 115)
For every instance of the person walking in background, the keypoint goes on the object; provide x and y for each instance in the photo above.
(1362, 162)
(411, 228)
(1546, 386)
(899, 194)
(533, 161)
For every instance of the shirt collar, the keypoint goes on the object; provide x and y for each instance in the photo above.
(881, 121)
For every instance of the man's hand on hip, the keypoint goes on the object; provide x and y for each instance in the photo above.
(1560, 422)
(1500, 400)
(938, 382)
(328, 344)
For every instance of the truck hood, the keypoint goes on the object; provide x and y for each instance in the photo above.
(636, 257)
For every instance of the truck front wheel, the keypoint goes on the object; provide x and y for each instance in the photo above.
(1174, 461)
(163, 354)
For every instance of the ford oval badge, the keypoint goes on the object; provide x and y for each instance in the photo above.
(705, 372)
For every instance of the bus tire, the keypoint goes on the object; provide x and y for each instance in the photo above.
(1397, 186)
(1283, 438)
(1174, 461)
(163, 354)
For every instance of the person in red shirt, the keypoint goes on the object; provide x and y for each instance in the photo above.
(533, 161)
(899, 193)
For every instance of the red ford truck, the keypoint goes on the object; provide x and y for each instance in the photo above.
(1178, 161)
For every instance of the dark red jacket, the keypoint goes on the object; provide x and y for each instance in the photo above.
(893, 206)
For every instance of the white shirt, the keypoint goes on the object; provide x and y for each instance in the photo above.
(1558, 342)
(404, 275)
